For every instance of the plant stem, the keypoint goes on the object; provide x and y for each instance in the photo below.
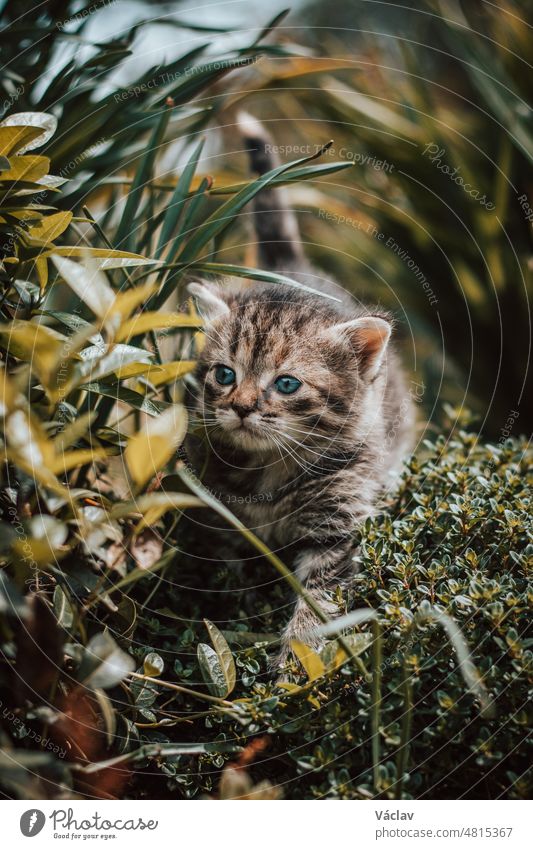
(185, 690)
(150, 750)
(405, 735)
(376, 702)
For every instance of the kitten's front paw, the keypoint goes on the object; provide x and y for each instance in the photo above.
(285, 665)
(303, 627)
(285, 668)
(279, 663)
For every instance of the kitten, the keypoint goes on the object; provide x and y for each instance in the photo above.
(300, 396)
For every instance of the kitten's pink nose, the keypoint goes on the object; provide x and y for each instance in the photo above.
(242, 410)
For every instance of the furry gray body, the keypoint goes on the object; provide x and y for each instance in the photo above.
(301, 470)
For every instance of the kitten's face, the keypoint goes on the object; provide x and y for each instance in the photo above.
(270, 377)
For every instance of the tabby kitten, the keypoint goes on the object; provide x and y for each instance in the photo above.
(300, 397)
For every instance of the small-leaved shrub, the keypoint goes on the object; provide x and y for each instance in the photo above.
(456, 539)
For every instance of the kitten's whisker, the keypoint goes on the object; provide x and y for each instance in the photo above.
(302, 446)
(292, 453)
(280, 452)
(273, 434)
(334, 438)
(330, 440)
(213, 335)
(306, 431)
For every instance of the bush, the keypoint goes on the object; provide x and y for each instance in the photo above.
(455, 540)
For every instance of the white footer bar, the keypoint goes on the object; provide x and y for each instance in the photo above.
(257, 825)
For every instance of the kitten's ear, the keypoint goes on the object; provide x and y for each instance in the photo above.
(211, 304)
(369, 337)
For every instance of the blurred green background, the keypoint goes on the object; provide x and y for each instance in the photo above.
(430, 101)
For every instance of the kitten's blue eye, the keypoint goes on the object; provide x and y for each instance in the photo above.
(224, 375)
(287, 384)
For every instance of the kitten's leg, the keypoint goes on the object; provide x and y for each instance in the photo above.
(320, 570)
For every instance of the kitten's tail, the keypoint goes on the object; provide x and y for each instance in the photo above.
(276, 227)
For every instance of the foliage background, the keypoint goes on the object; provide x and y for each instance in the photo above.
(119, 150)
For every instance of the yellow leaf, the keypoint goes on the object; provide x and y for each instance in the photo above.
(28, 448)
(27, 168)
(157, 374)
(41, 267)
(105, 258)
(72, 459)
(371, 108)
(146, 321)
(48, 546)
(289, 686)
(87, 282)
(156, 504)
(34, 343)
(13, 138)
(126, 302)
(298, 66)
(38, 128)
(133, 370)
(51, 226)
(309, 659)
(199, 341)
(169, 372)
(71, 432)
(149, 449)
(8, 393)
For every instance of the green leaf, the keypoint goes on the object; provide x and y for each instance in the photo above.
(138, 574)
(175, 206)
(195, 204)
(12, 602)
(225, 657)
(296, 176)
(104, 664)
(126, 228)
(211, 669)
(205, 75)
(126, 396)
(108, 715)
(276, 20)
(226, 269)
(73, 322)
(63, 608)
(161, 751)
(465, 663)
(224, 216)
